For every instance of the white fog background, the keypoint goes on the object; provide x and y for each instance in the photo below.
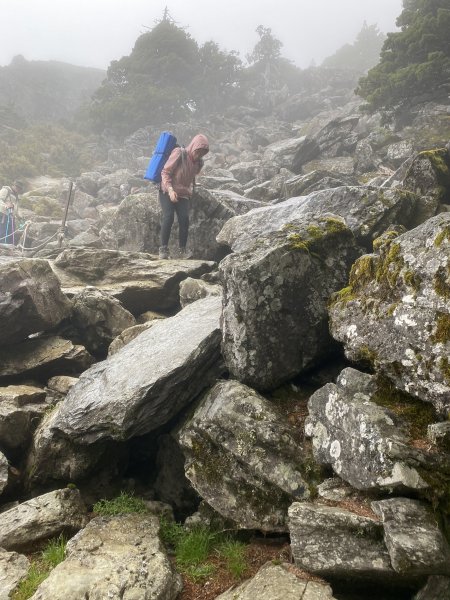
(92, 33)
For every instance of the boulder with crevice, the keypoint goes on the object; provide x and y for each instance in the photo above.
(137, 280)
(136, 225)
(291, 153)
(243, 458)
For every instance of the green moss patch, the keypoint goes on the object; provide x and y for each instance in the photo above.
(416, 415)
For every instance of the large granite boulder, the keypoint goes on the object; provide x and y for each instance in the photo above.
(43, 517)
(30, 299)
(115, 557)
(278, 582)
(243, 458)
(415, 543)
(368, 212)
(361, 440)
(275, 322)
(13, 568)
(137, 280)
(336, 543)
(395, 311)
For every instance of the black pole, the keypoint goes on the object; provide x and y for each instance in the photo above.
(63, 224)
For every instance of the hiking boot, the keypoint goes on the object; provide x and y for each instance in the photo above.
(163, 252)
(184, 253)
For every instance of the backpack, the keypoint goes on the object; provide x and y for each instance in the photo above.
(166, 143)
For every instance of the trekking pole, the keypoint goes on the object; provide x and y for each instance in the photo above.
(7, 226)
(63, 224)
(13, 227)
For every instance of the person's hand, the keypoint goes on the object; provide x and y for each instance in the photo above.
(173, 195)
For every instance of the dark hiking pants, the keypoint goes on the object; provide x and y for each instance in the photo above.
(169, 209)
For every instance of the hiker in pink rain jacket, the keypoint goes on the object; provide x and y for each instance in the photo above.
(177, 184)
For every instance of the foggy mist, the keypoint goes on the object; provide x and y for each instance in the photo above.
(93, 34)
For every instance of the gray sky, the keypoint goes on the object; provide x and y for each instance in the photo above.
(95, 32)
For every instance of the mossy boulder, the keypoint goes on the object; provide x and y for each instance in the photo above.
(395, 314)
(429, 175)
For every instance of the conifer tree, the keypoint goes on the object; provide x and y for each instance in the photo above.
(415, 62)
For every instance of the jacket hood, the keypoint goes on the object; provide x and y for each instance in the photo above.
(198, 141)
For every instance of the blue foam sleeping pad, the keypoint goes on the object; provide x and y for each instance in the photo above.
(166, 143)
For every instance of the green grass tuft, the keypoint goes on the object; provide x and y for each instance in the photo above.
(123, 504)
(194, 547)
(54, 552)
(51, 556)
(233, 553)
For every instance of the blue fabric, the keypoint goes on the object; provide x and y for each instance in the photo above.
(166, 143)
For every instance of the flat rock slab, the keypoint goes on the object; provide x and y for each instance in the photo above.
(332, 542)
(137, 279)
(13, 568)
(30, 299)
(415, 543)
(243, 458)
(277, 582)
(148, 381)
(43, 356)
(114, 558)
(41, 518)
